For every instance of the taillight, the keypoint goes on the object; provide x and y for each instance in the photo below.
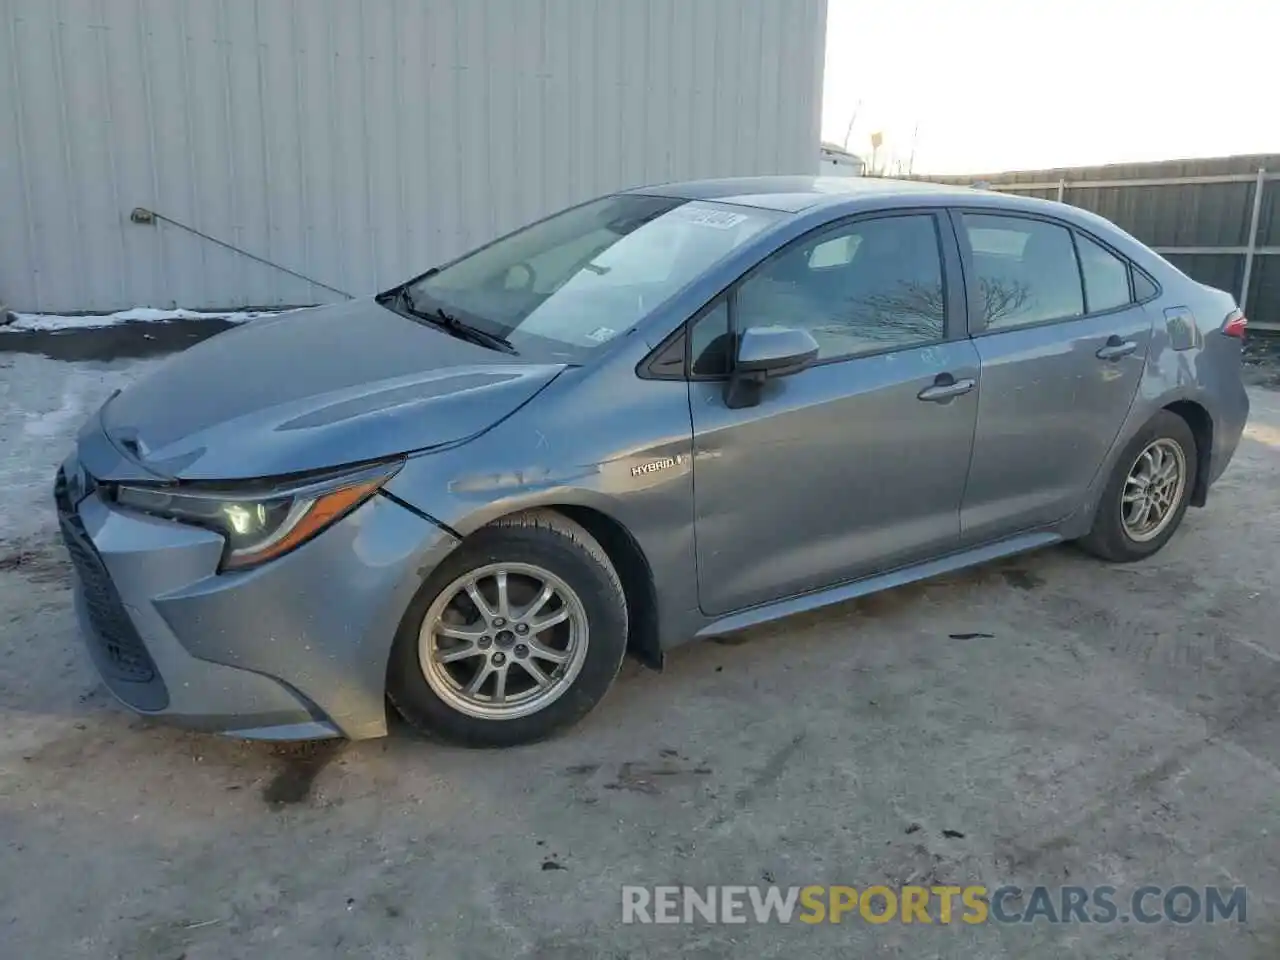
(1236, 325)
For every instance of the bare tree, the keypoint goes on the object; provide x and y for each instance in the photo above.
(1001, 299)
(918, 308)
(911, 308)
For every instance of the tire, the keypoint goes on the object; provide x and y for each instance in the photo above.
(1111, 539)
(432, 666)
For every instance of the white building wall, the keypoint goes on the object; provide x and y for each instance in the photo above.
(361, 141)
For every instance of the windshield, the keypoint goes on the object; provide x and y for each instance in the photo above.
(569, 284)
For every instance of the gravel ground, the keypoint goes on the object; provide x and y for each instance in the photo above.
(1045, 720)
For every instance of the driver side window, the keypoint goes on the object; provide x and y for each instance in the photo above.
(861, 287)
(858, 288)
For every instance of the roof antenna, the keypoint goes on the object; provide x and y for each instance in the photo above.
(848, 132)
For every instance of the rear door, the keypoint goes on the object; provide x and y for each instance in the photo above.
(1062, 344)
(844, 468)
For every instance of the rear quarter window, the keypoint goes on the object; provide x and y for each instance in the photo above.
(1143, 287)
(1106, 276)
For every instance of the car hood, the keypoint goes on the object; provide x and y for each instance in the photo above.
(309, 390)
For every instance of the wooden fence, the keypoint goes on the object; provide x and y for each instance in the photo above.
(1216, 219)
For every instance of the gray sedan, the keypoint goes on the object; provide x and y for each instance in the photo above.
(664, 414)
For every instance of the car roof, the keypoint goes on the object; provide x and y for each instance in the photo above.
(795, 194)
(833, 197)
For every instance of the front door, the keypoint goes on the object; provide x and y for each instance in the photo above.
(858, 463)
(1062, 346)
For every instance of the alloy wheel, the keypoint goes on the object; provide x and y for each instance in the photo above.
(1153, 490)
(503, 641)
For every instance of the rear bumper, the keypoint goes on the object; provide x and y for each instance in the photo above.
(294, 649)
(1229, 420)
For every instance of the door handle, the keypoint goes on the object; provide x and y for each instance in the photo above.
(1116, 348)
(946, 387)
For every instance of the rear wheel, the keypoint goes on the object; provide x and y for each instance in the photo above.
(1148, 492)
(517, 634)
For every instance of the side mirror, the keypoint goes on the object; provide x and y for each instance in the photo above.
(764, 353)
(775, 351)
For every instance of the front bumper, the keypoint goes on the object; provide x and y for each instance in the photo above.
(294, 649)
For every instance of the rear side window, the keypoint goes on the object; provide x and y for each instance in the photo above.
(1026, 271)
(1106, 276)
(1143, 288)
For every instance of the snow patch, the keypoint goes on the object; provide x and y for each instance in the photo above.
(49, 321)
(42, 406)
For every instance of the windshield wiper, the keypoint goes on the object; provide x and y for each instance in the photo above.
(474, 334)
(455, 325)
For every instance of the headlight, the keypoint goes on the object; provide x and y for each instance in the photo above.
(260, 520)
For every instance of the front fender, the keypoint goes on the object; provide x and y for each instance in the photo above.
(620, 449)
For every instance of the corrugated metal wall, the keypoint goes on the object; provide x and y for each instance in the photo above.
(1180, 215)
(361, 141)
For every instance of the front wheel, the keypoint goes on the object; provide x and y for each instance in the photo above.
(518, 633)
(1148, 492)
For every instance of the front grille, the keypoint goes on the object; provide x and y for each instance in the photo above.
(123, 653)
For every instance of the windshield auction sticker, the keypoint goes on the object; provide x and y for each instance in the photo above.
(719, 219)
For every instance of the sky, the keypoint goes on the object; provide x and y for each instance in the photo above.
(990, 85)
